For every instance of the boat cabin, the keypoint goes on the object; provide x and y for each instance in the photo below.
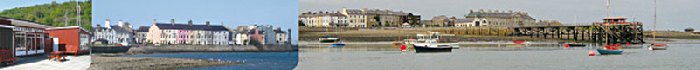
(616, 21)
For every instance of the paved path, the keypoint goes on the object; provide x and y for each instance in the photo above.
(42, 63)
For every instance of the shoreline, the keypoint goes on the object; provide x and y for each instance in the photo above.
(349, 35)
(140, 63)
(191, 48)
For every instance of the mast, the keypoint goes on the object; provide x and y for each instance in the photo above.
(607, 14)
(77, 3)
(653, 30)
(607, 5)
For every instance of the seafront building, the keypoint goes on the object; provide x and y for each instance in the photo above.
(242, 37)
(207, 34)
(503, 18)
(122, 33)
(189, 33)
(359, 18)
(323, 19)
(262, 34)
(140, 35)
(471, 22)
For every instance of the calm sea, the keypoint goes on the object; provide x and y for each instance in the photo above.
(499, 57)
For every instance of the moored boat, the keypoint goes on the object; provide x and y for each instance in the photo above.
(338, 44)
(610, 49)
(576, 45)
(605, 52)
(429, 43)
(658, 47)
(518, 41)
(328, 39)
(432, 48)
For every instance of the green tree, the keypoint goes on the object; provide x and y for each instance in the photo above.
(52, 14)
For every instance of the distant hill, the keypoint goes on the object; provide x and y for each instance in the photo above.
(53, 13)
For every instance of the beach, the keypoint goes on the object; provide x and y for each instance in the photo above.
(138, 63)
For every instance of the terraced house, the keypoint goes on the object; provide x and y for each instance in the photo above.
(359, 18)
(503, 18)
(189, 33)
(122, 33)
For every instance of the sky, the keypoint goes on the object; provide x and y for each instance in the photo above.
(233, 13)
(671, 14)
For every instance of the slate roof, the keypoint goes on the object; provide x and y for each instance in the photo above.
(278, 31)
(120, 29)
(143, 29)
(178, 26)
(314, 14)
(498, 15)
(467, 20)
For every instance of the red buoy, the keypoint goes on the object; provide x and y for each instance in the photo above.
(591, 53)
(628, 44)
(403, 47)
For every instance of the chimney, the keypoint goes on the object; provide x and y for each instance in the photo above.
(189, 22)
(120, 23)
(207, 23)
(107, 23)
(172, 21)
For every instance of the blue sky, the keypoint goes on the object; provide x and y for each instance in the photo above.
(279, 13)
(672, 14)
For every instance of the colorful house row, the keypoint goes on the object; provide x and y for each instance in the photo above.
(189, 33)
(26, 38)
(197, 34)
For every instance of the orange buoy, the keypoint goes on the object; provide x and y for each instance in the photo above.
(591, 53)
(403, 47)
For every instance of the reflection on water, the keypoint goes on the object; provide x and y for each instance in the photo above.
(497, 57)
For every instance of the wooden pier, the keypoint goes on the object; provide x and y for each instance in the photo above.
(613, 30)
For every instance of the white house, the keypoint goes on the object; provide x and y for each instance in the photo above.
(470, 22)
(119, 34)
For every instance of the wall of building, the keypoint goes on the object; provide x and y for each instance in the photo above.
(71, 38)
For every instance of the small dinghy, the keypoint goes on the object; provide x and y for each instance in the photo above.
(658, 47)
(338, 44)
(610, 49)
(576, 45)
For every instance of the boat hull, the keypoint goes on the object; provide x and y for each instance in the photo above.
(432, 49)
(337, 45)
(577, 45)
(328, 40)
(606, 52)
(658, 47)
